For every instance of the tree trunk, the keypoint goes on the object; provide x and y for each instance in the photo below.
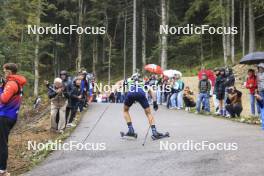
(228, 36)
(202, 53)
(134, 54)
(244, 28)
(125, 41)
(109, 60)
(251, 20)
(241, 22)
(36, 60)
(223, 36)
(232, 35)
(164, 44)
(95, 55)
(212, 46)
(79, 57)
(143, 38)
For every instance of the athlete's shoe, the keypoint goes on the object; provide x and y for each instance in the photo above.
(130, 133)
(156, 135)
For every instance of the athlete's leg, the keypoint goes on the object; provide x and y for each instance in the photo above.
(126, 114)
(128, 120)
(150, 116)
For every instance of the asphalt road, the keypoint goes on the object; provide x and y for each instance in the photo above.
(124, 157)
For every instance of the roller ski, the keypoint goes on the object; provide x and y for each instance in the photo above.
(157, 135)
(128, 134)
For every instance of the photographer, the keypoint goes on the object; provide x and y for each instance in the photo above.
(10, 100)
(75, 100)
(67, 83)
(59, 96)
(234, 103)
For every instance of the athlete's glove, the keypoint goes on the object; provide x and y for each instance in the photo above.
(155, 106)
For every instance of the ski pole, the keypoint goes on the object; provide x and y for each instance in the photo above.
(145, 139)
(146, 136)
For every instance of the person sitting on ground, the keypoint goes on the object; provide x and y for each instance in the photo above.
(10, 100)
(204, 94)
(251, 84)
(234, 102)
(58, 95)
(188, 98)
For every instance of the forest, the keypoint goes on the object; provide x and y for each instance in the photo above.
(130, 36)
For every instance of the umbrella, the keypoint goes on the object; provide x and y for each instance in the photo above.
(152, 68)
(210, 74)
(171, 73)
(253, 58)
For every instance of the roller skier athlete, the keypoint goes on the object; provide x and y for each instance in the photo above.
(136, 92)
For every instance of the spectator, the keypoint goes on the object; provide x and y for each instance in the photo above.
(251, 84)
(260, 102)
(188, 99)
(118, 96)
(67, 83)
(260, 80)
(159, 90)
(76, 100)
(84, 87)
(176, 97)
(215, 100)
(10, 101)
(165, 90)
(204, 94)
(220, 91)
(234, 103)
(58, 95)
(94, 97)
(230, 78)
(112, 97)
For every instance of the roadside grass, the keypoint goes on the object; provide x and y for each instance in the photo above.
(252, 120)
(22, 160)
(41, 155)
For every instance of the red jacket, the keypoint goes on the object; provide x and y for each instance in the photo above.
(10, 98)
(251, 84)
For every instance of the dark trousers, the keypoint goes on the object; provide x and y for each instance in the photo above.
(188, 103)
(234, 110)
(73, 114)
(68, 112)
(5, 126)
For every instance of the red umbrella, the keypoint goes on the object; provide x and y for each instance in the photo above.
(210, 74)
(152, 68)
